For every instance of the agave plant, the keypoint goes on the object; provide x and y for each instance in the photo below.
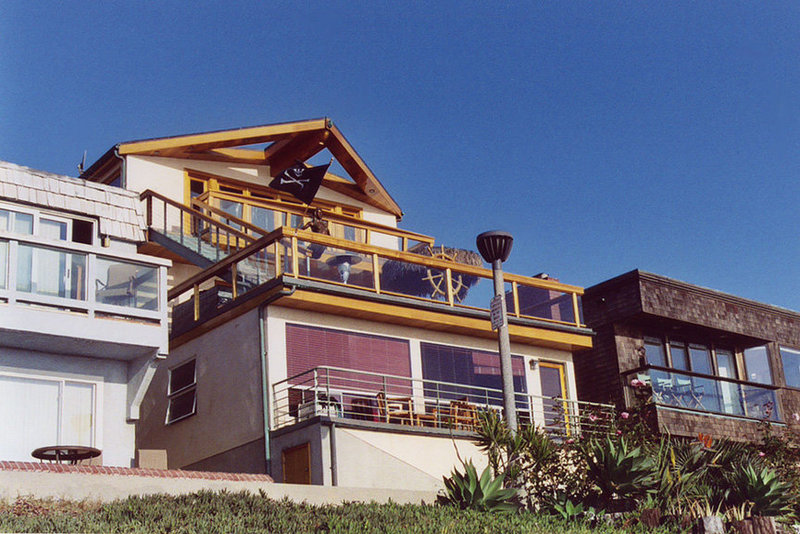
(618, 470)
(761, 487)
(484, 493)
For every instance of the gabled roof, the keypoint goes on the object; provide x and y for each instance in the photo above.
(289, 142)
(118, 211)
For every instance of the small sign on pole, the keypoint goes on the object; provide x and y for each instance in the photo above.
(496, 309)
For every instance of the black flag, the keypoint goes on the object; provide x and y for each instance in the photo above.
(301, 181)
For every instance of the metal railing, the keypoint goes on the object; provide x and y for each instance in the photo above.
(82, 278)
(702, 393)
(389, 399)
(338, 262)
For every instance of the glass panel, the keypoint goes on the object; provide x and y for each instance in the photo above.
(265, 218)
(233, 208)
(756, 363)
(791, 366)
(126, 284)
(654, 351)
(726, 365)
(182, 376)
(45, 271)
(335, 265)
(77, 414)
(544, 304)
(181, 405)
(701, 359)
(23, 223)
(713, 395)
(53, 229)
(5, 218)
(680, 358)
(255, 270)
(552, 379)
(3, 263)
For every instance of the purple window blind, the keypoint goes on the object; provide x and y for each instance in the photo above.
(308, 347)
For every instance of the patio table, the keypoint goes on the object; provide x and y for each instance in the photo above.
(65, 453)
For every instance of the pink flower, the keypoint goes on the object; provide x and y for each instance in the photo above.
(592, 418)
(624, 415)
(619, 432)
(796, 416)
(637, 383)
(570, 441)
(761, 454)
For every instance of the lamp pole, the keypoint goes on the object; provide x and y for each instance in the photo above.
(495, 247)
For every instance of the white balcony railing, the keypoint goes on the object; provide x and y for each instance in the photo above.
(81, 278)
(396, 400)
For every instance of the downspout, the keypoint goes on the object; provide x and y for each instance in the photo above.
(123, 173)
(265, 397)
(334, 464)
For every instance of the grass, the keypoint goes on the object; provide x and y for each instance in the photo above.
(243, 512)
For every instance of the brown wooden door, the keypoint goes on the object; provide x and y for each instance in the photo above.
(297, 464)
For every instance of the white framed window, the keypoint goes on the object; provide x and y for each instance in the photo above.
(40, 411)
(181, 391)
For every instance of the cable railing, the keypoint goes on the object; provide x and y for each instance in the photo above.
(336, 262)
(396, 400)
(693, 391)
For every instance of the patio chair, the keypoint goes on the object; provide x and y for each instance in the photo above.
(119, 287)
(395, 410)
(463, 415)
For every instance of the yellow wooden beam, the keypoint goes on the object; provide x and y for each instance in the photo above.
(223, 138)
(349, 159)
(300, 148)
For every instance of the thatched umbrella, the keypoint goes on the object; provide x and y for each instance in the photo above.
(421, 281)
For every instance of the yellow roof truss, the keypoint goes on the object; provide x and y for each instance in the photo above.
(289, 142)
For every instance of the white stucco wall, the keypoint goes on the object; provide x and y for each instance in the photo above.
(114, 435)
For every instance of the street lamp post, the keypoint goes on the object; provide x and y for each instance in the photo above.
(495, 246)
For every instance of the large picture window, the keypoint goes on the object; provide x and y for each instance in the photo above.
(756, 362)
(478, 369)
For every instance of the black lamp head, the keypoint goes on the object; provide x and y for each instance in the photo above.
(494, 245)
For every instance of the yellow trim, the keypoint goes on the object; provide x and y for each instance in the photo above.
(561, 368)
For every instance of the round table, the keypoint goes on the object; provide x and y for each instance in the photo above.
(66, 453)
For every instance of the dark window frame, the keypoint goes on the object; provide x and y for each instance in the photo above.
(175, 397)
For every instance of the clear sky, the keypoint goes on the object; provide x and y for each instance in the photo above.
(605, 136)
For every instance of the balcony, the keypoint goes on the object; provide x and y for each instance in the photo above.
(40, 277)
(358, 268)
(701, 393)
(361, 397)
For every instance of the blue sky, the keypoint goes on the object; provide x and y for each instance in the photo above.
(605, 136)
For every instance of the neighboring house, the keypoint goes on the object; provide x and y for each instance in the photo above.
(83, 316)
(715, 363)
(353, 355)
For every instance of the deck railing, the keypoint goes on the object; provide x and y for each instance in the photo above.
(80, 278)
(338, 262)
(702, 393)
(257, 216)
(380, 398)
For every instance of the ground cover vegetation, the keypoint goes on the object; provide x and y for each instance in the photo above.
(245, 512)
(627, 474)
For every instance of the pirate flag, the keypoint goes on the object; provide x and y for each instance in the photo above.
(301, 181)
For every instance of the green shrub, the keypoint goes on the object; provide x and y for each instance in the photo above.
(763, 489)
(484, 494)
(618, 471)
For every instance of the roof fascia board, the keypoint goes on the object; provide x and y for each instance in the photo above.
(223, 138)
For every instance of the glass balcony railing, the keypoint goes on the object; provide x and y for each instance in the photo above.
(396, 400)
(707, 394)
(337, 262)
(74, 276)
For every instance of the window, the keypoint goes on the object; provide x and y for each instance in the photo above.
(182, 389)
(756, 363)
(791, 366)
(726, 364)
(680, 358)
(700, 358)
(457, 365)
(654, 350)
